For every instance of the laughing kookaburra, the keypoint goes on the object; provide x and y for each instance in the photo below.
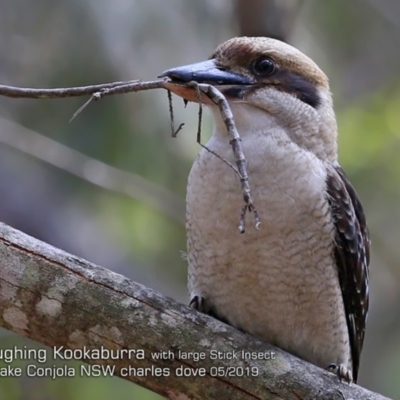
(300, 281)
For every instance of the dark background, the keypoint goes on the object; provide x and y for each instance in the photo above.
(68, 43)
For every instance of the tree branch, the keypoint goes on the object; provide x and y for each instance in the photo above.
(58, 93)
(61, 300)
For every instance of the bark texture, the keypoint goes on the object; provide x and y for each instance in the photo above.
(61, 300)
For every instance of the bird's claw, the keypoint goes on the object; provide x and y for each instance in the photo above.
(341, 371)
(197, 303)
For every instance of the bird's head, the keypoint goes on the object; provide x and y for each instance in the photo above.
(267, 83)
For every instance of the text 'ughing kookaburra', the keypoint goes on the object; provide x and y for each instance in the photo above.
(300, 281)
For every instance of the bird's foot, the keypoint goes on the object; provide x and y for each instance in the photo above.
(197, 302)
(341, 371)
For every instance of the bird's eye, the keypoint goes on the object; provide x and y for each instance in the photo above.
(264, 66)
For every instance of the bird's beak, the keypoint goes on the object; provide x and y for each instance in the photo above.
(202, 72)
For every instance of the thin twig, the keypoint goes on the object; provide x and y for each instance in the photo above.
(134, 86)
(97, 91)
(106, 89)
(93, 97)
(235, 141)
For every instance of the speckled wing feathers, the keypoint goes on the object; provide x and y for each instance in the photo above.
(352, 257)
